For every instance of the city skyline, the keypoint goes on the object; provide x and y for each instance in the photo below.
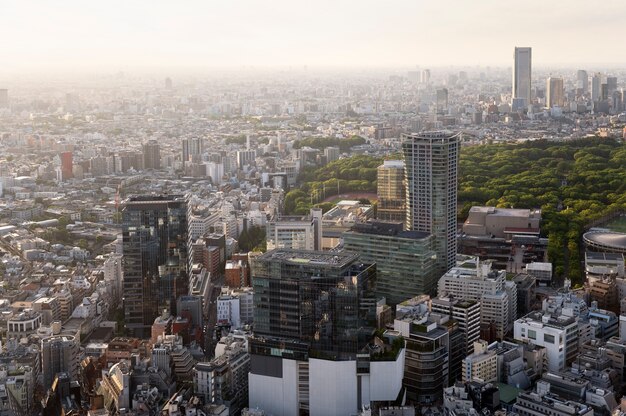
(79, 37)
(325, 209)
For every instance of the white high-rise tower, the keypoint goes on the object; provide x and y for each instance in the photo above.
(431, 167)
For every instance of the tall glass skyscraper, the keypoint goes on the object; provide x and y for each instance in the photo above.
(431, 167)
(522, 68)
(314, 349)
(323, 301)
(154, 238)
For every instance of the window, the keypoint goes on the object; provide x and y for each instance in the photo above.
(548, 338)
(532, 334)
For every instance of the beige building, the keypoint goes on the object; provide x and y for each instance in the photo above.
(482, 365)
(554, 92)
(501, 221)
(391, 191)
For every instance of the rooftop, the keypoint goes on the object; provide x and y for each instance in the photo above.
(606, 240)
(394, 229)
(503, 212)
(592, 255)
(326, 258)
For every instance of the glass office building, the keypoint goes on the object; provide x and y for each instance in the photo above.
(321, 303)
(405, 260)
(154, 238)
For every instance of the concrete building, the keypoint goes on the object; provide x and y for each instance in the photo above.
(501, 222)
(598, 265)
(66, 165)
(245, 158)
(116, 385)
(431, 167)
(59, 353)
(114, 276)
(582, 81)
(525, 293)
(558, 334)
(465, 312)
(169, 355)
(237, 274)
(475, 281)
(542, 272)
(192, 149)
(235, 308)
(509, 237)
(224, 380)
(331, 154)
(542, 402)
(293, 232)
(190, 305)
(23, 323)
(442, 101)
(596, 84)
(431, 353)
(481, 365)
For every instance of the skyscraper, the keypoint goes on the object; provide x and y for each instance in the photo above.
(431, 164)
(554, 92)
(596, 84)
(611, 85)
(154, 239)
(391, 191)
(582, 81)
(151, 155)
(192, 149)
(442, 101)
(66, 165)
(522, 68)
(314, 315)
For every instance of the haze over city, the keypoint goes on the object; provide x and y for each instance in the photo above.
(331, 208)
(40, 36)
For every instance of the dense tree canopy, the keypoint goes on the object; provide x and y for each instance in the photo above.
(353, 174)
(573, 182)
(252, 238)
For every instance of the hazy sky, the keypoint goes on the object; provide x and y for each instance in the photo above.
(111, 35)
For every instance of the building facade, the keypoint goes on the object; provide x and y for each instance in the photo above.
(405, 260)
(293, 232)
(431, 169)
(391, 191)
(522, 70)
(154, 239)
(59, 353)
(314, 315)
